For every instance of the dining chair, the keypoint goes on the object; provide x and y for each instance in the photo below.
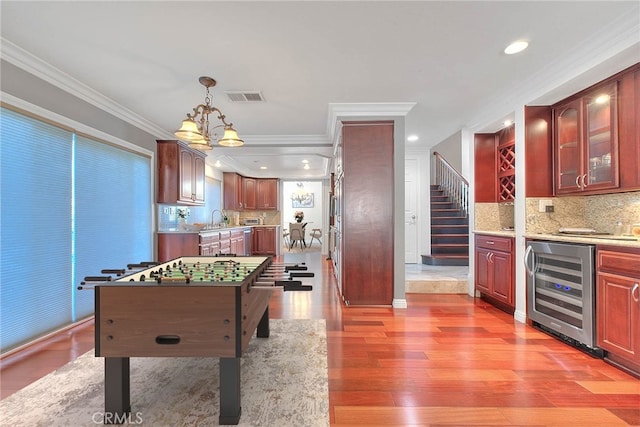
(297, 234)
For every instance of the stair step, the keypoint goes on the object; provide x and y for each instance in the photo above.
(446, 212)
(450, 239)
(438, 259)
(450, 248)
(449, 229)
(445, 220)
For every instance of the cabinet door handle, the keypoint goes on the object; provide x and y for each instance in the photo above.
(584, 180)
(633, 293)
(490, 242)
(577, 181)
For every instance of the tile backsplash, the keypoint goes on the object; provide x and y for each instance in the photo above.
(493, 216)
(600, 212)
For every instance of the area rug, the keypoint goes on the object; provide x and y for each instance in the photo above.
(283, 383)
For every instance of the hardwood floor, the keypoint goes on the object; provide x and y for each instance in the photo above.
(445, 360)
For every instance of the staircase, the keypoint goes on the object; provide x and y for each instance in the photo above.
(449, 220)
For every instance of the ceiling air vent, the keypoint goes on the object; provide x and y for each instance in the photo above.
(245, 96)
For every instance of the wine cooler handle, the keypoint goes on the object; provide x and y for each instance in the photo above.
(527, 253)
(633, 293)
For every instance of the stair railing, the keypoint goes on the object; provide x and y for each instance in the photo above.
(452, 183)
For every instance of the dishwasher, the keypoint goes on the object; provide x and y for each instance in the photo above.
(561, 291)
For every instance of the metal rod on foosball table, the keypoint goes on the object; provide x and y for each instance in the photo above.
(286, 285)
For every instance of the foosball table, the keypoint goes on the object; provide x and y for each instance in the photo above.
(185, 307)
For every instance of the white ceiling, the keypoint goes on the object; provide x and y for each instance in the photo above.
(314, 60)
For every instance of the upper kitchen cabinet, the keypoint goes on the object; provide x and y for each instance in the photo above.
(267, 194)
(495, 166)
(233, 191)
(586, 146)
(506, 163)
(596, 138)
(249, 192)
(538, 151)
(181, 174)
(245, 193)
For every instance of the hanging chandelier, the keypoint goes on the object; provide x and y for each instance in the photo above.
(195, 128)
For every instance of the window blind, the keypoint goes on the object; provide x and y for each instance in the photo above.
(35, 221)
(70, 207)
(112, 212)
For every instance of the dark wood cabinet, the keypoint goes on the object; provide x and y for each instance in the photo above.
(225, 242)
(495, 176)
(267, 194)
(209, 243)
(538, 151)
(181, 174)
(246, 193)
(265, 241)
(237, 244)
(629, 129)
(249, 192)
(233, 191)
(174, 245)
(586, 142)
(494, 270)
(506, 165)
(596, 137)
(618, 306)
(485, 167)
(366, 201)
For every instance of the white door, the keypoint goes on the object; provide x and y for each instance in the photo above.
(410, 211)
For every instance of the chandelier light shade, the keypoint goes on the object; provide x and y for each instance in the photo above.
(230, 138)
(195, 128)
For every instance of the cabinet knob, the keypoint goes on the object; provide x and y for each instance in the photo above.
(634, 293)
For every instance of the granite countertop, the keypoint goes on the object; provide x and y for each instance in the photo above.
(233, 227)
(503, 233)
(591, 240)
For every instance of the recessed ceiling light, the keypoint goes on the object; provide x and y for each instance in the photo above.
(217, 164)
(507, 123)
(412, 138)
(515, 47)
(263, 167)
(306, 166)
(305, 161)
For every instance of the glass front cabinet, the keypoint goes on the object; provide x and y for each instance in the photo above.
(586, 142)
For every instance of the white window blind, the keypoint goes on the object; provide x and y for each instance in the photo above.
(35, 268)
(112, 216)
(70, 207)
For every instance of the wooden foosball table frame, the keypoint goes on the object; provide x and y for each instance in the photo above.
(138, 318)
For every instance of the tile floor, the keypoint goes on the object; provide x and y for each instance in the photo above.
(421, 278)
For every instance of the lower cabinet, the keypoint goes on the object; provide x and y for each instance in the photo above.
(494, 270)
(265, 241)
(618, 306)
(237, 244)
(209, 243)
(174, 245)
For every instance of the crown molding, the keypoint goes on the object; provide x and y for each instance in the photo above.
(286, 140)
(30, 63)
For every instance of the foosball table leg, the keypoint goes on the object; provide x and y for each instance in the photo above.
(263, 330)
(116, 389)
(230, 409)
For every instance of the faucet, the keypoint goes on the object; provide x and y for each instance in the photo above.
(213, 212)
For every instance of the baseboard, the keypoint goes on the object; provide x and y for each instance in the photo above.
(399, 303)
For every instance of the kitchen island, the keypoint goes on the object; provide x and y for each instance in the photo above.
(236, 240)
